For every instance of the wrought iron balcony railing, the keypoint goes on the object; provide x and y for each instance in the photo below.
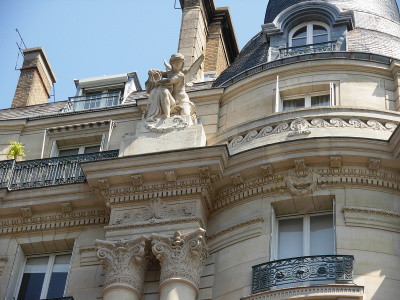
(302, 271)
(92, 101)
(307, 49)
(46, 172)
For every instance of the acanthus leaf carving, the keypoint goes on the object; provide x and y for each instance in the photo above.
(181, 257)
(125, 262)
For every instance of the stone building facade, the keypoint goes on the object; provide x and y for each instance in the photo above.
(273, 175)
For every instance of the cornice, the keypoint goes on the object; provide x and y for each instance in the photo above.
(56, 221)
(318, 291)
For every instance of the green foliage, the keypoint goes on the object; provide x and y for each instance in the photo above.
(15, 150)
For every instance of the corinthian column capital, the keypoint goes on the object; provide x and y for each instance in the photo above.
(125, 263)
(181, 257)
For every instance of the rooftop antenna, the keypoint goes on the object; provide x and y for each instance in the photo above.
(21, 51)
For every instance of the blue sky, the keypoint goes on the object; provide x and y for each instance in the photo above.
(87, 38)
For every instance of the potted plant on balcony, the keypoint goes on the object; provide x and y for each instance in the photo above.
(15, 150)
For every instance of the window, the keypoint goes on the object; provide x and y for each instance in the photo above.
(307, 235)
(44, 277)
(306, 101)
(77, 150)
(309, 33)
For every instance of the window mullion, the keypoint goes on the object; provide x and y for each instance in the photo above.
(47, 276)
(310, 33)
(306, 235)
(307, 101)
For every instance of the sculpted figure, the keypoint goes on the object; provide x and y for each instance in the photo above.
(167, 97)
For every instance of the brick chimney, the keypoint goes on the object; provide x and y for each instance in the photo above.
(207, 30)
(35, 80)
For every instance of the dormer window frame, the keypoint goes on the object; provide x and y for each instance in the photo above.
(309, 32)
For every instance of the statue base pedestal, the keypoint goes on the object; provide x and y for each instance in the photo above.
(164, 135)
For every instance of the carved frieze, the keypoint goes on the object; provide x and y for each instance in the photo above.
(125, 262)
(301, 182)
(3, 260)
(155, 209)
(182, 256)
(299, 164)
(216, 177)
(301, 126)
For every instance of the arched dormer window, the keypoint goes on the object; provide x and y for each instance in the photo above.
(308, 34)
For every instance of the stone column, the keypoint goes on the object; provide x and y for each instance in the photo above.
(182, 259)
(125, 264)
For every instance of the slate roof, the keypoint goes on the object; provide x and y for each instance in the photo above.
(253, 54)
(275, 7)
(32, 111)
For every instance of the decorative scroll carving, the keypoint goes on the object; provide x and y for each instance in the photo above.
(301, 182)
(267, 170)
(124, 261)
(302, 126)
(237, 179)
(300, 164)
(204, 172)
(137, 180)
(336, 162)
(26, 212)
(66, 207)
(216, 177)
(374, 164)
(103, 184)
(181, 257)
(155, 209)
(170, 176)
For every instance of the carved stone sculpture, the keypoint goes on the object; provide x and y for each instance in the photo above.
(181, 257)
(124, 261)
(167, 97)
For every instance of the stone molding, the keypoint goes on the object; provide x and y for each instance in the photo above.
(65, 220)
(302, 125)
(317, 292)
(323, 178)
(154, 209)
(181, 257)
(155, 223)
(125, 263)
(237, 233)
(88, 256)
(372, 218)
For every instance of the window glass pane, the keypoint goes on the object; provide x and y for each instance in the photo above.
(59, 276)
(302, 32)
(321, 235)
(290, 239)
(293, 104)
(68, 152)
(320, 39)
(299, 42)
(92, 149)
(320, 100)
(32, 279)
(317, 29)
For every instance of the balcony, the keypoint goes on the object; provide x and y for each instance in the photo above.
(92, 101)
(47, 172)
(307, 49)
(307, 270)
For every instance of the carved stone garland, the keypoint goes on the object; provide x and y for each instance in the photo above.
(181, 257)
(124, 261)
